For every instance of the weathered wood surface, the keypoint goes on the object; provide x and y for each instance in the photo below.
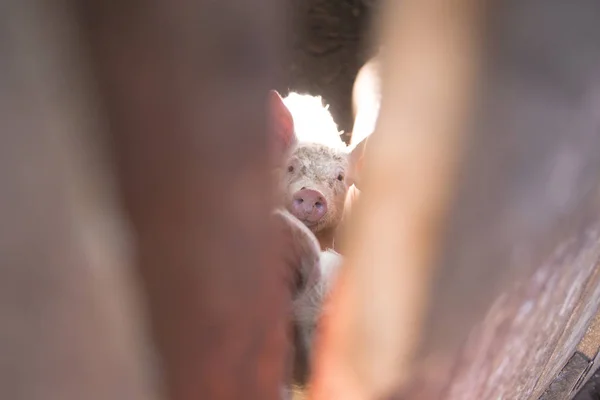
(589, 346)
(516, 283)
(428, 69)
(591, 389)
(71, 324)
(185, 87)
(527, 208)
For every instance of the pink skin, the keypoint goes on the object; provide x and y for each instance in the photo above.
(314, 179)
(309, 206)
(314, 186)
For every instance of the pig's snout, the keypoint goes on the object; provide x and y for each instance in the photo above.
(309, 205)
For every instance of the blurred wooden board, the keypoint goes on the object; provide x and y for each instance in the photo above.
(523, 243)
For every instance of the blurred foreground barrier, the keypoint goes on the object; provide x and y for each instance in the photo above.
(473, 279)
(473, 273)
(71, 325)
(183, 88)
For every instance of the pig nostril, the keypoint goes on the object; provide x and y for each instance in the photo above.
(303, 187)
(318, 204)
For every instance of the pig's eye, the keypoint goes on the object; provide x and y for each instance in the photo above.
(340, 177)
(291, 168)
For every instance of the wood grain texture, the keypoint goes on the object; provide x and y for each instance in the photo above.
(428, 67)
(516, 281)
(522, 242)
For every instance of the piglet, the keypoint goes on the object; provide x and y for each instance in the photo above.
(310, 273)
(313, 169)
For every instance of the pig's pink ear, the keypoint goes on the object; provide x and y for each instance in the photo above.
(299, 250)
(357, 156)
(281, 122)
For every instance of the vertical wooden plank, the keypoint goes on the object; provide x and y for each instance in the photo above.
(515, 282)
(185, 87)
(70, 325)
(428, 68)
(523, 232)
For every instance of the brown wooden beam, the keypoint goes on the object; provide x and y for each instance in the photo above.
(185, 85)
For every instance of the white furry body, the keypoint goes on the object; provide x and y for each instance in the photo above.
(319, 266)
(308, 308)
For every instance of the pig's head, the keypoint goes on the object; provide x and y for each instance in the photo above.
(314, 178)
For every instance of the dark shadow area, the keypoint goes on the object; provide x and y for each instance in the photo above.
(328, 44)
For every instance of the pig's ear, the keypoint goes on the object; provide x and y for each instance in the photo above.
(281, 122)
(299, 250)
(356, 158)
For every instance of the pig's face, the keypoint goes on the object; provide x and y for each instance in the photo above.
(313, 178)
(314, 183)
